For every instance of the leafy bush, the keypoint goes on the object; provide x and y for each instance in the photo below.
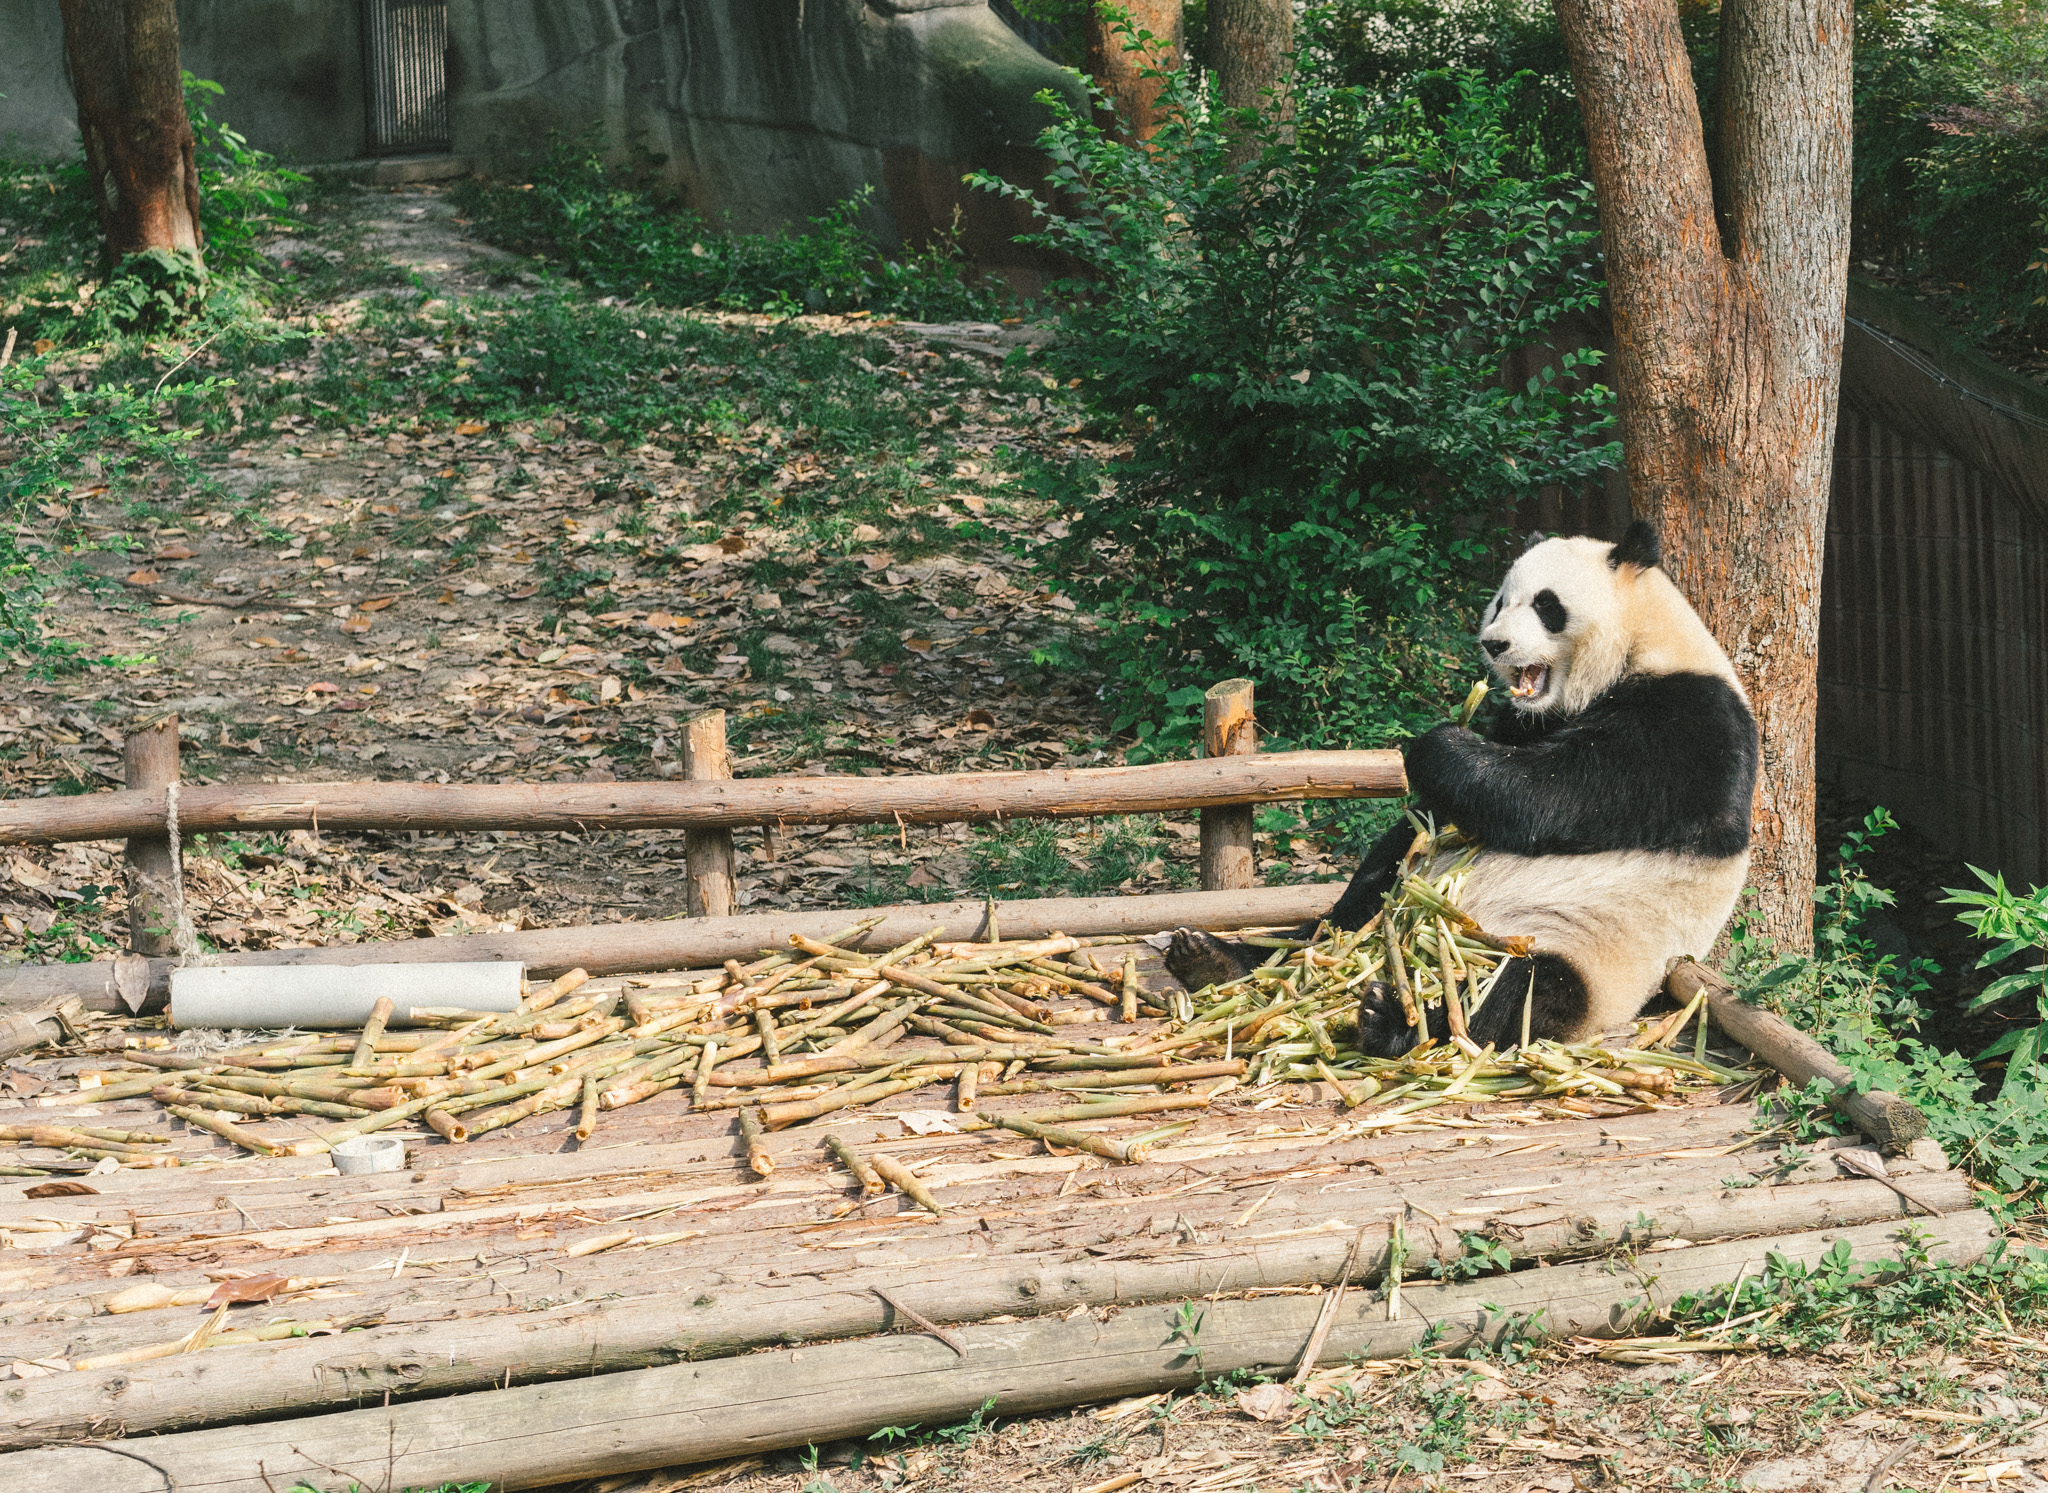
(243, 192)
(1867, 1007)
(623, 238)
(1951, 122)
(150, 291)
(1306, 354)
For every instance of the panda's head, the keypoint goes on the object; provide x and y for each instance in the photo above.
(1575, 615)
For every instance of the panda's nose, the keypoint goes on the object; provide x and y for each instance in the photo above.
(1494, 647)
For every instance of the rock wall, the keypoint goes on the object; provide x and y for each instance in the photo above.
(293, 71)
(770, 111)
(766, 112)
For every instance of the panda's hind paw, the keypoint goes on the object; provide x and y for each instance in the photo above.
(1199, 959)
(1383, 1029)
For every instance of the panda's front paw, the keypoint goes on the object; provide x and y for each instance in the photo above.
(1436, 761)
(1383, 1029)
(1199, 959)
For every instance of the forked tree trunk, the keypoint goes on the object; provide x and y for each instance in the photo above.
(123, 59)
(1120, 74)
(1728, 335)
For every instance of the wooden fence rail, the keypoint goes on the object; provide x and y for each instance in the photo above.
(712, 804)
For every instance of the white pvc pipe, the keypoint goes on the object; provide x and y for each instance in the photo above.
(336, 996)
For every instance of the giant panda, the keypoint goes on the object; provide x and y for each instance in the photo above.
(1611, 796)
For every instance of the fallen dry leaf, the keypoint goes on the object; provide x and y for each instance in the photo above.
(143, 578)
(1266, 1401)
(249, 1288)
(60, 1190)
(375, 603)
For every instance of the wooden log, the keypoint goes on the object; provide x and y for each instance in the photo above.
(1227, 731)
(708, 886)
(705, 943)
(606, 1336)
(608, 1424)
(149, 759)
(970, 797)
(26, 1030)
(1883, 1117)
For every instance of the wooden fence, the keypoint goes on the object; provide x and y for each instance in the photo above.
(706, 805)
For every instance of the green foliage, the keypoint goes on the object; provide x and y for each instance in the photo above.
(243, 192)
(1306, 354)
(1910, 1299)
(622, 237)
(151, 291)
(1477, 1256)
(1951, 121)
(2016, 925)
(46, 430)
(1866, 1007)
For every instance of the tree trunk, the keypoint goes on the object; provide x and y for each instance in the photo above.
(1120, 74)
(1728, 335)
(123, 60)
(1250, 46)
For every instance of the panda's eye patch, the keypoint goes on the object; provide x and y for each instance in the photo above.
(1549, 610)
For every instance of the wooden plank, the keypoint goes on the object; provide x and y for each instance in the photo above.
(1056, 793)
(707, 853)
(616, 1423)
(706, 943)
(475, 1353)
(1227, 731)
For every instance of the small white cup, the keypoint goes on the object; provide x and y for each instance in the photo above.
(369, 1153)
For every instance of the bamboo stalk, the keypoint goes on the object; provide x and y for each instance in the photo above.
(871, 1183)
(227, 1130)
(1083, 1140)
(366, 1045)
(1130, 986)
(901, 1178)
(563, 984)
(759, 1162)
(586, 1119)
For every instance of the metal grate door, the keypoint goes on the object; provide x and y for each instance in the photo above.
(407, 42)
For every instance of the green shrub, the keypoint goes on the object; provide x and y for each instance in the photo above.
(1867, 1008)
(1951, 122)
(623, 238)
(1306, 356)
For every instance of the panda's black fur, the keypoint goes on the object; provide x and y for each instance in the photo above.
(1613, 801)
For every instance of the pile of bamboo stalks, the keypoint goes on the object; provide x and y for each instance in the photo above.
(1295, 1017)
(819, 1028)
(795, 1035)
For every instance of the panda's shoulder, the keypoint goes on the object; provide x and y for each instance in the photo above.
(1695, 704)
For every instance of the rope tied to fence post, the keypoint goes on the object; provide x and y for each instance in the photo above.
(183, 934)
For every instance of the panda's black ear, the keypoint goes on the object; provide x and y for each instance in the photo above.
(1638, 547)
(1536, 537)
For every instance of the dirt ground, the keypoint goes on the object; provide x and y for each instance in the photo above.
(306, 617)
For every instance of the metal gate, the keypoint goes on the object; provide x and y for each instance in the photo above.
(407, 43)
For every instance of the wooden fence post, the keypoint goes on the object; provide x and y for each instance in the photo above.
(149, 757)
(1227, 731)
(707, 852)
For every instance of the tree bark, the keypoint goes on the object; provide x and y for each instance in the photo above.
(1250, 47)
(1120, 74)
(1728, 335)
(123, 59)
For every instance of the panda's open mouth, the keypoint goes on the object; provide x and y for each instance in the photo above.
(1530, 681)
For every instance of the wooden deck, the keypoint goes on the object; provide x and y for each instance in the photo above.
(525, 1256)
